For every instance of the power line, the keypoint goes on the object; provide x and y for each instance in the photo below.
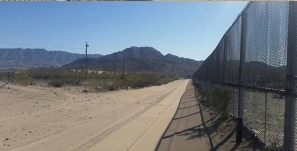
(40, 46)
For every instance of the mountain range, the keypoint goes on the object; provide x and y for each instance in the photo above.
(140, 60)
(18, 58)
(133, 59)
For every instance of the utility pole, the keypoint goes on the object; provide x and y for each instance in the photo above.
(124, 67)
(114, 65)
(86, 65)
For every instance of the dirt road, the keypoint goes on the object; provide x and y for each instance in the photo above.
(186, 130)
(44, 118)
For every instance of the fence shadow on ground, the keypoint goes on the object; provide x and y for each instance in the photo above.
(221, 133)
(215, 127)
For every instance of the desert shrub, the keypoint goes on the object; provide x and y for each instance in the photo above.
(40, 75)
(56, 83)
(23, 78)
(111, 87)
(72, 81)
(105, 81)
(139, 83)
(124, 82)
(152, 80)
(221, 98)
(136, 80)
(140, 80)
(101, 85)
(165, 80)
(106, 84)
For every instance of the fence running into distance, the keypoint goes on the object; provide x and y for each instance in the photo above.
(256, 59)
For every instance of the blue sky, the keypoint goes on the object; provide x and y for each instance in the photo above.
(187, 29)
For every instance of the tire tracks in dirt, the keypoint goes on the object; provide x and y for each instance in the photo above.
(107, 132)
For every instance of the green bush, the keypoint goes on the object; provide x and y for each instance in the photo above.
(56, 83)
(106, 81)
(111, 87)
(165, 80)
(221, 98)
(23, 78)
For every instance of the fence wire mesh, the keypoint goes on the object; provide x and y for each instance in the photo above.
(254, 112)
(275, 118)
(264, 68)
(266, 44)
(235, 101)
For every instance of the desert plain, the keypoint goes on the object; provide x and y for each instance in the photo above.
(68, 118)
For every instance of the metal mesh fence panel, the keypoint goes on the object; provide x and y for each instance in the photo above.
(254, 112)
(275, 118)
(233, 104)
(265, 46)
(4, 76)
(232, 42)
(235, 101)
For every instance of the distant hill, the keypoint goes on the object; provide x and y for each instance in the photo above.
(18, 58)
(141, 60)
(255, 74)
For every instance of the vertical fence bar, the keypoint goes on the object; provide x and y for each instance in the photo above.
(233, 102)
(225, 60)
(291, 73)
(239, 129)
(265, 118)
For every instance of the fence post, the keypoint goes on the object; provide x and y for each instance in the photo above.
(239, 129)
(233, 102)
(265, 118)
(291, 80)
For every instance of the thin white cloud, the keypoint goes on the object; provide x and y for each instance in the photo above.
(201, 10)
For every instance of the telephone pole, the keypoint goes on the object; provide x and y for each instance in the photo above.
(86, 65)
(124, 67)
(114, 65)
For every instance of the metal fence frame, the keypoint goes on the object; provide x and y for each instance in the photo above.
(220, 69)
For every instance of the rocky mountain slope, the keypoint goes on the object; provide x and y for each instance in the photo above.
(18, 58)
(140, 60)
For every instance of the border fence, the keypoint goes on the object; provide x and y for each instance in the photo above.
(257, 60)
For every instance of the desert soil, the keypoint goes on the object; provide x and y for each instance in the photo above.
(186, 131)
(43, 118)
(197, 127)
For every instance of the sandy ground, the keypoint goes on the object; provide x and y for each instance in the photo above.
(44, 118)
(222, 133)
(197, 127)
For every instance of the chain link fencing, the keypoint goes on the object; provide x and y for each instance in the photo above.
(264, 47)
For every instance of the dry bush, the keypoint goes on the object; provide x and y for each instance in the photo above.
(23, 78)
(221, 98)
